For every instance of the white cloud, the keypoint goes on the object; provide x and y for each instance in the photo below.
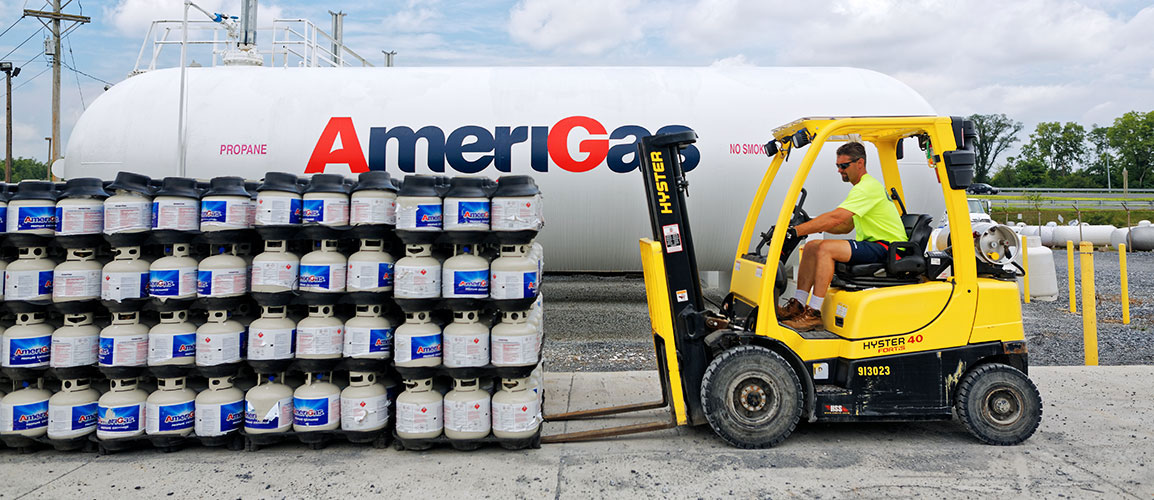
(418, 16)
(732, 61)
(133, 17)
(591, 27)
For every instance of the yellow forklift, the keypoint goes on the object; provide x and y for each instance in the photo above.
(922, 336)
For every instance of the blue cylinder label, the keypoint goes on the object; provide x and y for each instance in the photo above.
(314, 411)
(27, 416)
(31, 351)
(83, 417)
(214, 211)
(428, 346)
(314, 211)
(471, 283)
(231, 416)
(429, 216)
(31, 218)
(473, 212)
(282, 409)
(530, 284)
(385, 274)
(316, 277)
(174, 417)
(4, 219)
(120, 418)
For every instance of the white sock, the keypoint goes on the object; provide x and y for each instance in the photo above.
(815, 302)
(801, 295)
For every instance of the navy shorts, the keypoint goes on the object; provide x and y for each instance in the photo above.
(868, 252)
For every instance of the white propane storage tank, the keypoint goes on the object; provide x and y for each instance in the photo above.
(466, 204)
(268, 407)
(419, 205)
(420, 411)
(323, 269)
(124, 342)
(219, 409)
(172, 341)
(466, 341)
(275, 270)
(368, 335)
(126, 276)
(222, 275)
(278, 200)
(514, 341)
(226, 205)
(24, 412)
(465, 275)
(122, 410)
(80, 209)
(364, 404)
(218, 341)
(76, 343)
(374, 200)
(78, 277)
(271, 336)
(516, 410)
(513, 275)
(467, 411)
(326, 201)
(176, 206)
(320, 335)
(370, 268)
(28, 343)
(417, 342)
(170, 409)
(29, 277)
(417, 274)
(72, 412)
(129, 209)
(32, 210)
(1043, 277)
(316, 405)
(174, 275)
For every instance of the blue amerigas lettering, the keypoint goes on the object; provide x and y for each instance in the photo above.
(310, 411)
(427, 346)
(471, 283)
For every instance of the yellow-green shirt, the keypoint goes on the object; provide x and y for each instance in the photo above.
(874, 217)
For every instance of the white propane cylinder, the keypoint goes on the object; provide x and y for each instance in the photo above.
(371, 268)
(320, 335)
(466, 205)
(268, 407)
(514, 341)
(226, 205)
(272, 335)
(326, 201)
(278, 200)
(174, 275)
(323, 269)
(76, 343)
(29, 277)
(465, 275)
(417, 342)
(417, 274)
(125, 277)
(172, 341)
(516, 410)
(72, 411)
(78, 277)
(3, 269)
(420, 411)
(222, 275)
(32, 210)
(514, 274)
(125, 341)
(170, 409)
(467, 411)
(466, 341)
(25, 412)
(121, 411)
(219, 409)
(176, 206)
(419, 204)
(368, 335)
(374, 199)
(276, 269)
(516, 205)
(129, 209)
(28, 343)
(364, 404)
(316, 405)
(219, 341)
(80, 209)
(1043, 277)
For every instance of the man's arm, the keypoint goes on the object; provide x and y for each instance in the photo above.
(837, 221)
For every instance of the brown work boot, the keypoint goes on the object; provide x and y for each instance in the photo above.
(809, 320)
(792, 309)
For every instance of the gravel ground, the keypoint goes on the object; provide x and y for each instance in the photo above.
(601, 323)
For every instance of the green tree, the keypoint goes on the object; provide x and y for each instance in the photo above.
(1061, 147)
(28, 168)
(996, 133)
(1132, 138)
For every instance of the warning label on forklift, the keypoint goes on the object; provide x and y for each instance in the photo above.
(672, 238)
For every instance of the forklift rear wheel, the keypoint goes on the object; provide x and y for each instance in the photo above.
(751, 396)
(999, 404)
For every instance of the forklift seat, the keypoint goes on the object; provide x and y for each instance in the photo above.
(904, 264)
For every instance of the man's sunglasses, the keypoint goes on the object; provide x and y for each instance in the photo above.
(843, 166)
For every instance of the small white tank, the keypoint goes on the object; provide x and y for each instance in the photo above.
(374, 199)
(466, 341)
(25, 412)
(1120, 236)
(1043, 277)
(276, 269)
(121, 412)
(226, 205)
(514, 274)
(371, 268)
(218, 341)
(126, 276)
(78, 277)
(268, 407)
(516, 205)
(278, 200)
(419, 206)
(29, 277)
(76, 343)
(417, 341)
(222, 275)
(219, 409)
(364, 404)
(326, 201)
(467, 411)
(176, 206)
(72, 411)
(32, 210)
(129, 209)
(174, 275)
(316, 405)
(172, 341)
(465, 275)
(1141, 237)
(368, 335)
(466, 205)
(271, 336)
(28, 343)
(3, 269)
(516, 410)
(514, 341)
(420, 411)
(417, 274)
(170, 409)
(320, 335)
(80, 209)
(125, 341)
(323, 269)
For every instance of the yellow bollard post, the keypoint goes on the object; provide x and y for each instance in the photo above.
(1026, 270)
(1125, 287)
(1089, 316)
(1070, 273)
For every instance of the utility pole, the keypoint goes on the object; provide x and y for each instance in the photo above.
(54, 26)
(389, 57)
(338, 36)
(10, 72)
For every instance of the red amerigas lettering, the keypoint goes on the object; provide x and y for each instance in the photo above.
(350, 152)
(597, 148)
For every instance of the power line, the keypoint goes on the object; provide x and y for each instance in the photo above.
(6, 30)
(83, 105)
(26, 82)
(37, 32)
(106, 82)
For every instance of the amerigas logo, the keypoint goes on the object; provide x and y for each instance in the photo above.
(470, 149)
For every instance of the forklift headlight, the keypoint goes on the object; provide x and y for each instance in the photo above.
(771, 148)
(800, 138)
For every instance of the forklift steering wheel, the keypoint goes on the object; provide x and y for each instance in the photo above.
(799, 217)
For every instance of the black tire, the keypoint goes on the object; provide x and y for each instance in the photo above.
(998, 404)
(752, 397)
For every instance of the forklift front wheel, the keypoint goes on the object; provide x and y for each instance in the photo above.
(752, 397)
(999, 404)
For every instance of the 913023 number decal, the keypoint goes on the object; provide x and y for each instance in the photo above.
(868, 371)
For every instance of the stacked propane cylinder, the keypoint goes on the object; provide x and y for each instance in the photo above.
(241, 314)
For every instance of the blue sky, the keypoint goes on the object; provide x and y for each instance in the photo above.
(1035, 60)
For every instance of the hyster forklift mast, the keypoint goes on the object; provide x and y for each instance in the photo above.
(676, 306)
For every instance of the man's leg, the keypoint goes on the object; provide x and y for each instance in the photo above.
(806, 268)
(832, 251)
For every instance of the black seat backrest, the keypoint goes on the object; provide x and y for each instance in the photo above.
(918, 229)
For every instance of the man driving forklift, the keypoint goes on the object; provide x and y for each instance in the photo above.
(867, 210)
